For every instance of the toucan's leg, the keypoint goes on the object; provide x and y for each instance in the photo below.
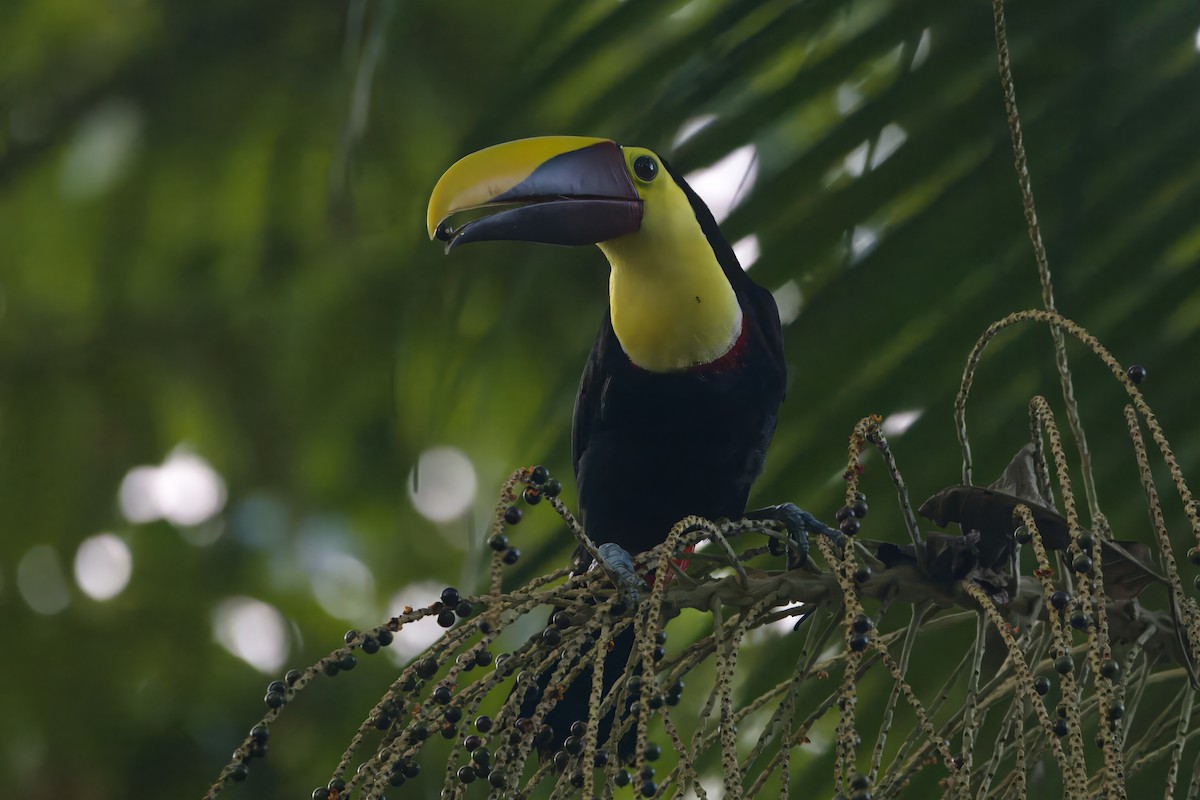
(619, 565)
(799, 524)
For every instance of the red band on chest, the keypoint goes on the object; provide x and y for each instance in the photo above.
(731, 359)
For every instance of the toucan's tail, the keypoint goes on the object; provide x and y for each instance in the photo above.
(575, 703)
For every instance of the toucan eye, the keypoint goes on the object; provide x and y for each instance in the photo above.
(645, 167)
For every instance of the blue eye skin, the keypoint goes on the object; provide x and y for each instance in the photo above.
(646, 168)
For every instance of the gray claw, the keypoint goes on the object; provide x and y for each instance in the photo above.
(619, 565)
(799, 524)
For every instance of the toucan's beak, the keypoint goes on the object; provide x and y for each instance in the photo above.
(564, 190)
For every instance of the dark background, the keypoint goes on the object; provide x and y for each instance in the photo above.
(213, 264)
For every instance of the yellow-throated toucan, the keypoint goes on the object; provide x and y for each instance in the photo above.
(680, 394)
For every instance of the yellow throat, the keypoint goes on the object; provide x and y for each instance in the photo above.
(672, 306)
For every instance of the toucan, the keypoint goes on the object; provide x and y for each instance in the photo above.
(679, 397)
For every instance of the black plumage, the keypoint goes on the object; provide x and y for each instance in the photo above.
(651, 448)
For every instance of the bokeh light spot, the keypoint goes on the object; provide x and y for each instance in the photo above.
(922, 52)
(103, 566)
(855, 162)
(863, 239)
(789, 300)
(442, 484)
(692, 126)
(137, 497)
(185, 491)
(414, 638)
(848, 98)
(189, 490)
(724, 184)
(890, 139)
(253, 631)
(343, 586)
(897, 423)
(101, 150)
(40, 580)
(747, 250)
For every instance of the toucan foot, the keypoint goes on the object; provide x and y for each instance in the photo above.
(799, 524)
(619, 565)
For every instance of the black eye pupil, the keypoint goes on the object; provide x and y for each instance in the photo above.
(645, 168)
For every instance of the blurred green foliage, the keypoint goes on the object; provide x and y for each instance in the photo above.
(211, 234)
